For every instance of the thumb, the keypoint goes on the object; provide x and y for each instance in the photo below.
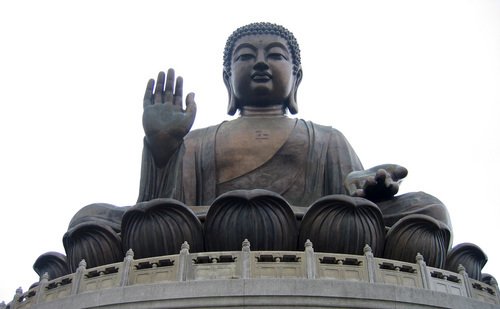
(399, 173)
(190, 104)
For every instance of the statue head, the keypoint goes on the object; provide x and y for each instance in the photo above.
(262, 67)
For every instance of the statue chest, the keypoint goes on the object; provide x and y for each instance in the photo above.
(245, 144)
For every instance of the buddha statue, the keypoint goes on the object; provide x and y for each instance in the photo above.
(263, 148)
(288, 171)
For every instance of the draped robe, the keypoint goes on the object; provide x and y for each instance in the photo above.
(312, 163)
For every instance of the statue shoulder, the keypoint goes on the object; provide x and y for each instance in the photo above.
(197, 134)
(323, 129)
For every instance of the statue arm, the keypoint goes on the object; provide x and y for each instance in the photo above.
(377, 183)
(164, 119)
(342, 160)
(163, 181)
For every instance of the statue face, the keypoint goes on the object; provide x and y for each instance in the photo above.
(261, 70)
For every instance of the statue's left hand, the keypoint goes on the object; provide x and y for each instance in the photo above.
(377, 183)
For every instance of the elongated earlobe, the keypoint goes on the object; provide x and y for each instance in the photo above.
(232, 106)
(292, 100)
(292, 103)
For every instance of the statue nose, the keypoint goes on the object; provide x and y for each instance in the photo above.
(261, 65)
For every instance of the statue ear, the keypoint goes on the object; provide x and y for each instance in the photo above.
(232, 106)
(292, 100)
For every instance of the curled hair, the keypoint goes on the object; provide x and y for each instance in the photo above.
(262, 28)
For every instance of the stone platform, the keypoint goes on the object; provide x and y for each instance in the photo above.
(264, 279)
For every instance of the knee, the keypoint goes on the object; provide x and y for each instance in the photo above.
(414, 203)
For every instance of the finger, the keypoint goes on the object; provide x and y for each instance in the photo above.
(360, 193)
(370, 181)
(190, 104)
(148, 95)
(178, 91)
(160, 81)
(381, 175)
(351, 189)
(393, 188)
(169, 86)
(399, 173)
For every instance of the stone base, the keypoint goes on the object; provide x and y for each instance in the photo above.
(267, 279)
(264, 293)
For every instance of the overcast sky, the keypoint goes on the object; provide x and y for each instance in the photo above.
(415, 83)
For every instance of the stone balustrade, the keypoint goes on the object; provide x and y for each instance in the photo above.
(247, 264)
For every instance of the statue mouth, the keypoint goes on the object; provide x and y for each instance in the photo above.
(261, 77)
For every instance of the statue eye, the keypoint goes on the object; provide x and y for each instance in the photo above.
(276, 56)
(244, 57)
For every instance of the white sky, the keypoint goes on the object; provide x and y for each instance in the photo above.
(415, 83)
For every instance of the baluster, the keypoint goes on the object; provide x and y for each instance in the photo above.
(183, 262)
(41, 287)
(126, 267)
(370, 263)
(426, 279)
(310, 260)
(17, 297)
(467, 283)
(78, 277)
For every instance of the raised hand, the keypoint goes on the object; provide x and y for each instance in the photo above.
(377, 183)
(164, 119)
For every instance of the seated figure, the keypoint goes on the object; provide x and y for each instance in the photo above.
(263, 148)
(297, 160)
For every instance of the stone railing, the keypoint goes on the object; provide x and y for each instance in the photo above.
(247, 264)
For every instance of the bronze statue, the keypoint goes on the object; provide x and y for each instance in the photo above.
(263, 148)
(294, 179)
